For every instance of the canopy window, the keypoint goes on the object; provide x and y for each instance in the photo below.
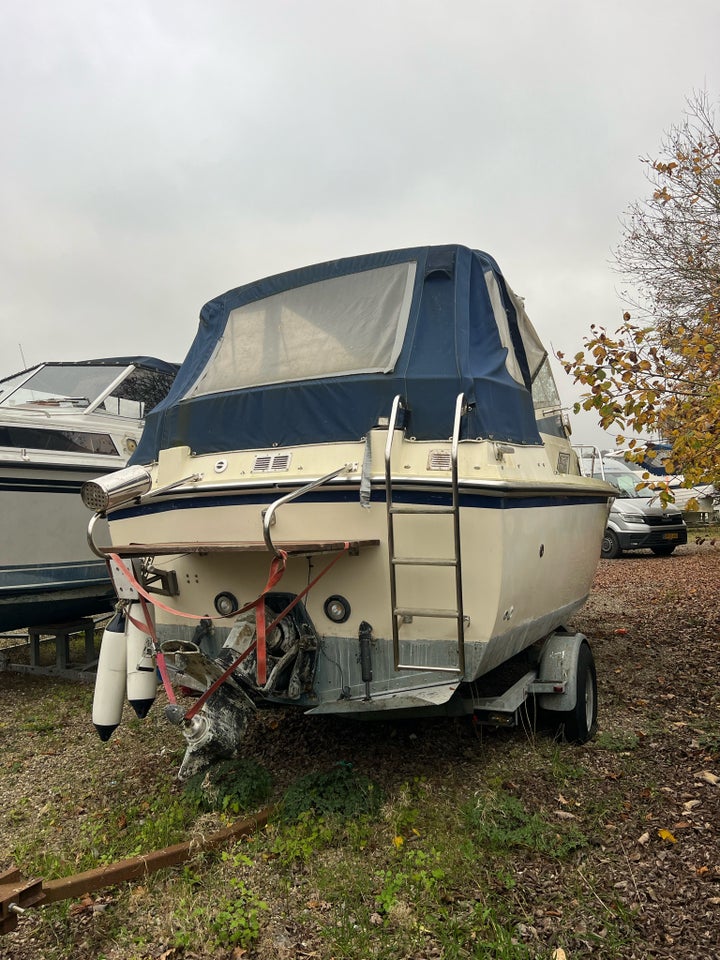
(352, 324)
(535, 352)
(546, 398)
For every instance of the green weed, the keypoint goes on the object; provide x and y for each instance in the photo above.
(500, 822)
(230, 786)
(300, 841)
(617, 741)
(237, 921)
(417, 876)
(233, 918)
(340, 791)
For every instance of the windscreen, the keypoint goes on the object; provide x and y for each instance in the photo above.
(56, 386)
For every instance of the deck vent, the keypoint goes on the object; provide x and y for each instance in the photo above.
(271, 462)
(439, 460)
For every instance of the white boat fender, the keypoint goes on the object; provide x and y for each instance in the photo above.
(141, 671)
(110, 680)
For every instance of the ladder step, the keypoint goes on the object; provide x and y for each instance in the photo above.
(427, 612)
(420, 511)
(424, 562)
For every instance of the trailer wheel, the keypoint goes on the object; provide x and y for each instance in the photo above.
(580, 723)
(664, 550)
(610, 548)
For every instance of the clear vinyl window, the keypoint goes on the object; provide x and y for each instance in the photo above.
(345, 325)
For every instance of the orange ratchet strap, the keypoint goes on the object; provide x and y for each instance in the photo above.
(277, 568)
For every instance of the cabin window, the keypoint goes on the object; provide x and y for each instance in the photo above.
(344, 325)
(69, 441)
(544, 390)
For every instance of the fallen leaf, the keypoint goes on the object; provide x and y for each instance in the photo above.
(559, 954)
(690, 805)
(317, 905)
(666, 835)
(708, 777)
(87, 903)
(644, 838)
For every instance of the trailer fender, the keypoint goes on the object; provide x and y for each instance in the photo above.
(559, 665)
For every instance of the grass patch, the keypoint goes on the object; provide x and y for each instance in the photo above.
(106, 836)
(501, 823)
(617, 741)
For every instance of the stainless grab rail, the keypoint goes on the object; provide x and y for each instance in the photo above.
(268, 514)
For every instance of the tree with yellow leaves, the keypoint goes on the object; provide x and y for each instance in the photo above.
(660, 373)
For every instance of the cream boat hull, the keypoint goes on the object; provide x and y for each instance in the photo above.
(530, 539)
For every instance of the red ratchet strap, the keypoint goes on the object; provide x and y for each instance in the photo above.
(236, 663)
(159, 655)
(277, 568)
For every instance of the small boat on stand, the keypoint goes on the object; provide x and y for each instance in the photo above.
(358, 498)
(60, 425)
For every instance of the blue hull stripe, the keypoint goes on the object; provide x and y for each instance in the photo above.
(502, 500)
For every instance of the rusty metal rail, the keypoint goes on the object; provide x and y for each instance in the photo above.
(18, 895)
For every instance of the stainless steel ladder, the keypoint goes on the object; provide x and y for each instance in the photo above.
(400, 613)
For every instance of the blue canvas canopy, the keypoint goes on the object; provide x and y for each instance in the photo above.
(316, 355)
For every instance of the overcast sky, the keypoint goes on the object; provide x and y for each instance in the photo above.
(156, 154)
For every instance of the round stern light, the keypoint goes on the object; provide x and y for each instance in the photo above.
(226, 604)
(337, 609)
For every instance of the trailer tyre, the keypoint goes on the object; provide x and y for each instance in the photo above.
(610, 548)
(580, 723)
(664, 550)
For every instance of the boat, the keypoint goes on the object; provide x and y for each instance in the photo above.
(60, 425)
(358, 498)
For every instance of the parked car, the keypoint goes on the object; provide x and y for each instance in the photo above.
(638, 520)
(704, 498)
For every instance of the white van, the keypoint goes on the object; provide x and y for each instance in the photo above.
(637, 520)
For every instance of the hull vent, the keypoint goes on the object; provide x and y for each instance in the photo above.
(271, 462)
(439, 460)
